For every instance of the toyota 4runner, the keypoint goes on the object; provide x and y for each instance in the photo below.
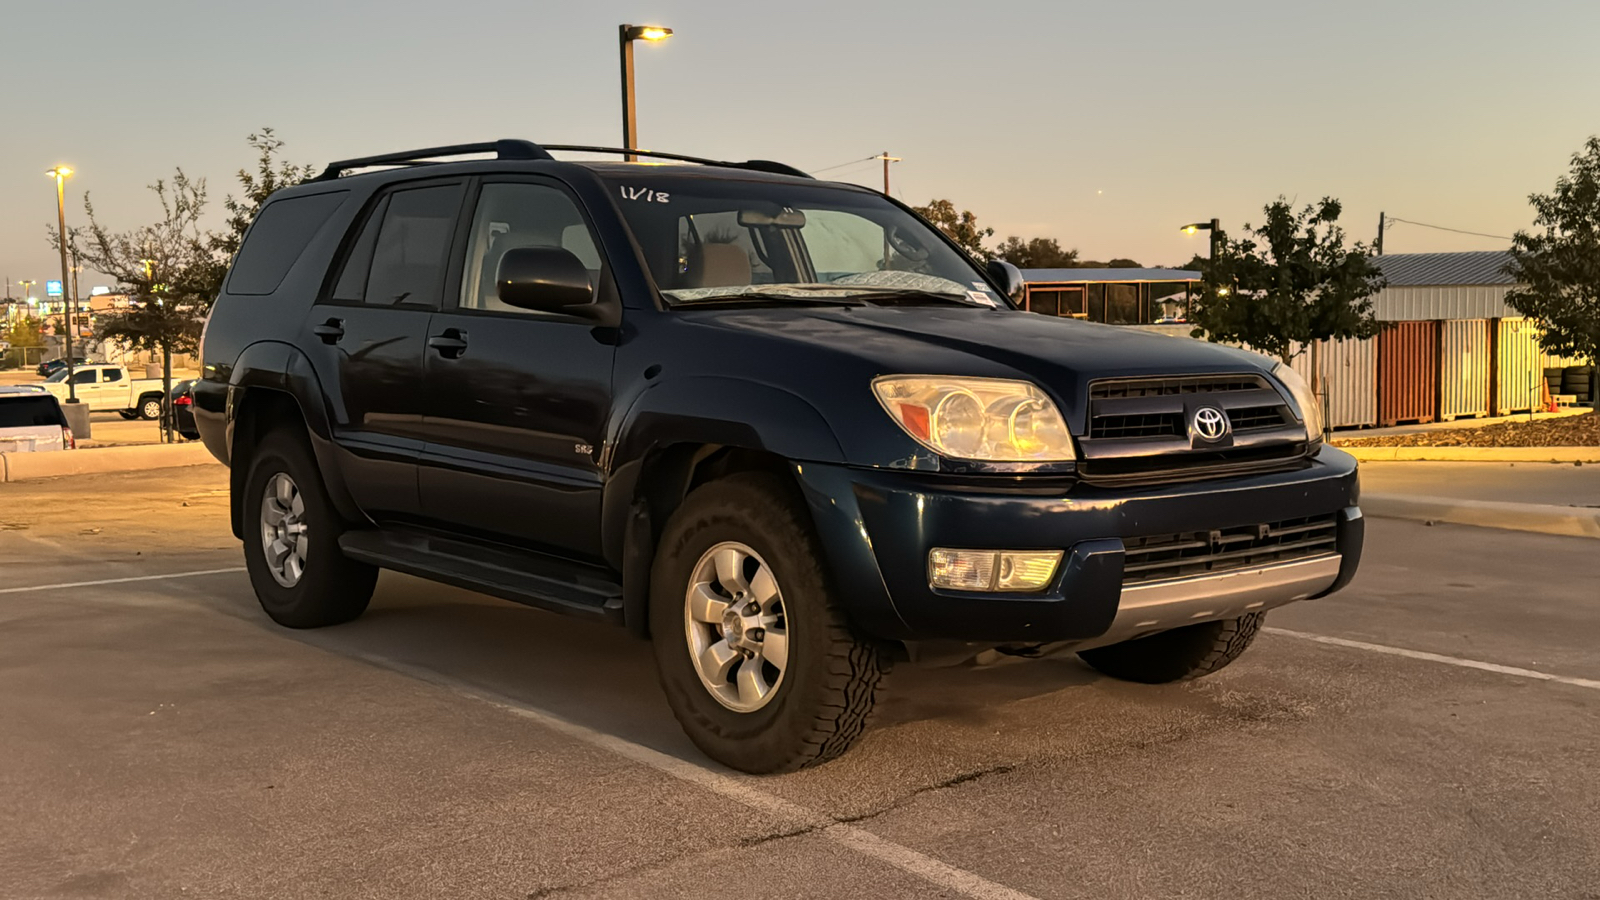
(784, 428)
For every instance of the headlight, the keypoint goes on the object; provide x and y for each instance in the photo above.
(1308, 407)
(977, 418)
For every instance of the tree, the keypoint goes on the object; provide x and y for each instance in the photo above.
(23, 334)
(167, 268)
(1290, 281)
(1037, 253)
(960, 227)
(271, 175)
(1559, 270)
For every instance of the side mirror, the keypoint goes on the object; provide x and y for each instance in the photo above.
(1009, 278)
(543, 278)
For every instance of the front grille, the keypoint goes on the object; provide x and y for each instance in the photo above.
(1149, 425)
(1184, 554)
(1172, 387)
(1256, 417)
(1155, 407)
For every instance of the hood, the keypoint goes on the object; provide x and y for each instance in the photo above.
(1060, 355)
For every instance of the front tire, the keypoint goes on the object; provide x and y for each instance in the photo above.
(291, 541)
(1177, 655)
(150, 408)
(759, 664)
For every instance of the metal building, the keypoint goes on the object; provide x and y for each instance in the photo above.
(1438, 286)
(1112, 296)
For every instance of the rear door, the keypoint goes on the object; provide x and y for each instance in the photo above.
(112, 390)
(518, 399)
(365, 338)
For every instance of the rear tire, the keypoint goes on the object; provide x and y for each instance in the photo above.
(291, 541)
(1177, 655)
(821, 698)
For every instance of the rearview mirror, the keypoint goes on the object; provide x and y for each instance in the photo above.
(543, 278)
(788, 218)
(1009, 278)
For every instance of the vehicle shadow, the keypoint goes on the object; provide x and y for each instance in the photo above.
(599, 676)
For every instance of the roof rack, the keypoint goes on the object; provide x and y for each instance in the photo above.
(505, 148)
(509, 148)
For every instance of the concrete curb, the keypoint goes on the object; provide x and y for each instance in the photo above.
(26, 466)
(1476, 454)
(1569, 521)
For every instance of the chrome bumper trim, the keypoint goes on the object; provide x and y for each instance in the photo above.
(1164, 605)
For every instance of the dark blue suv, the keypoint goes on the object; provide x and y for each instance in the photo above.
(784, 428)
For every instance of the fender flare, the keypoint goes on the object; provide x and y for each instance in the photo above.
(284, 369)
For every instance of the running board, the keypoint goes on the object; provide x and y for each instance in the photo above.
(510, 574)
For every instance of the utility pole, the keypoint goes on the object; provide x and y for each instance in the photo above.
(1379, 245)
(886, 160)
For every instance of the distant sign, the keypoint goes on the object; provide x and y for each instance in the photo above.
(52, 288)
(99, 289)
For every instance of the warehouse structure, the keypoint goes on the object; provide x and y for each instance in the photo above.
(1450, 347)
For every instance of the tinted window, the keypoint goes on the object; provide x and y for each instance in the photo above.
(280, 234)
(112, 374)
(24, 412)
(408, 260)
(510, 216)
(352, 284)
(83, 377)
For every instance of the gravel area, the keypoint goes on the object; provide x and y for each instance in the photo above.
(1571, 431)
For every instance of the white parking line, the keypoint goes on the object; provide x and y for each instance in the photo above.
(78, 584)
(740, 789)
(1438, 658)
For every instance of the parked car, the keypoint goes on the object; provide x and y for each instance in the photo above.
(785, 428)
(31, 420)
(105, 387)
(50, 367)
(181, 402)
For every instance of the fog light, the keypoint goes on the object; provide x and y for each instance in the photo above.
(992, 570)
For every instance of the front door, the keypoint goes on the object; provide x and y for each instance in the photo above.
(517, 399)
(366, 340)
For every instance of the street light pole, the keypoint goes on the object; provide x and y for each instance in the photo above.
(60, 173)
(626, 35)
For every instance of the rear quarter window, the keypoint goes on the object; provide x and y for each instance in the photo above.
(29, 412)
(279, 235)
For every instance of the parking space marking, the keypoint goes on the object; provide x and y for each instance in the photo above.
(1438, 658)
(736, 788)
(78, 584)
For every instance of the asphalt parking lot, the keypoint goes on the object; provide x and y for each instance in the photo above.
(1430, 732)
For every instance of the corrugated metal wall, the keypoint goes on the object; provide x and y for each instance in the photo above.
(1465, 363)
(1349, 380)
(1408, 304)
(1408, 373)
(1521, 367)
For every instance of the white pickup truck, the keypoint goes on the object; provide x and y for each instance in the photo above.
(110, 388)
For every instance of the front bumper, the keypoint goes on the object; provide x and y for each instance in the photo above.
(878, 525)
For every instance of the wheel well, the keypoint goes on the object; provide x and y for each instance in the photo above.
(667, 476)
(260, 411)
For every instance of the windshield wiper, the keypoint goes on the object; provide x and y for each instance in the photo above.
(893, 296)
(756, 298)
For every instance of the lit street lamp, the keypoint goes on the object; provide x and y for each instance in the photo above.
(1214, 226)
(60, 173)
(626, 35)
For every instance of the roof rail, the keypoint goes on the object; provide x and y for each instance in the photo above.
(506, 148)
(758, 165)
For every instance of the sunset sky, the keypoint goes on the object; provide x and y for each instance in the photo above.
(1104, 125)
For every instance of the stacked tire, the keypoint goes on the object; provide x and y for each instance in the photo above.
(1578, 380)
(1553, 380)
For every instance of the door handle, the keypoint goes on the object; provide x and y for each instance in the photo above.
(330, 331)
(451, 344)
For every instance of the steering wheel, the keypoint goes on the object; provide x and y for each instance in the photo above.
(909, 249)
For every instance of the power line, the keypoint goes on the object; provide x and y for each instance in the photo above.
(843, 164)
(1452, 229)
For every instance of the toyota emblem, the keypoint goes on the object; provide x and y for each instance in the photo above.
(1210, 423)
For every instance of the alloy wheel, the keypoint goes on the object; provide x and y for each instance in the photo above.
(283, 530)
(737, 632)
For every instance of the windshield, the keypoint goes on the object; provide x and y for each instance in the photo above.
(707, 240)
